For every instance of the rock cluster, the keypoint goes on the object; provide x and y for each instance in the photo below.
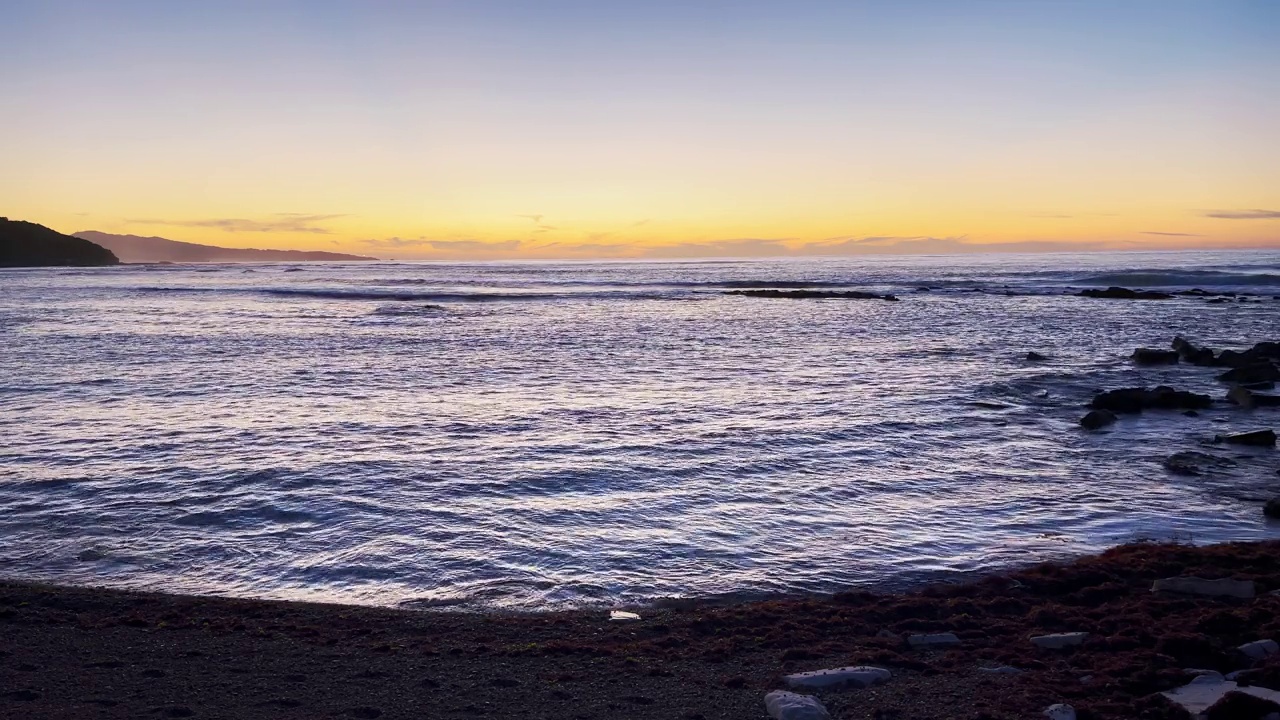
(1119, 293)
(1135, 400)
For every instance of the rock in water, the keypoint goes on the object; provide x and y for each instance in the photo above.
(1163, 397)
(1191, 353)
(1258, 438)
(1034, 356)
(1119, 293)
(783, 705)
(1249, 374)
(1153, 356)
(1191, 462)
(1272, 508)
(812, 294)
(1097, 419)
(857, 676)
(1247, 399)
(1212, 588)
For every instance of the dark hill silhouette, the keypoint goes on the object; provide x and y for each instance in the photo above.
(138, 249)
(26, 244)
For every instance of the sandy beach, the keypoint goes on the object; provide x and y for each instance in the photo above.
(90, 653)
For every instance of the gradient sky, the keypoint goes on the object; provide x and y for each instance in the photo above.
(547, 128)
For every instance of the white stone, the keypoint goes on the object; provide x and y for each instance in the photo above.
(1057, 641)
(933, 641)
(1212, 588)
(622, 615)
(1060, 712)
(783, 705)
(857, 676)
(1200, 694)
(1260, 649)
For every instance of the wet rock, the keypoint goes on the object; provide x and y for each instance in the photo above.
(859, 676)
(1060, 712)
(1200, 694)
(1191, 462)
(1096, 419)
(1191, 413)
(1034, 356)
(1154, 356)
(1259, 649)
(1257, 438)
(1237, 705)
(1272, 508)
(1248, 399)
(1135, 400)
(1058, 641)
(90, 555)
(936, 640)
(783, 705)
(812, 294)
(1119, 293)
(1191, 353)
(1189, 585)
(1259, 386)
(1249, 374)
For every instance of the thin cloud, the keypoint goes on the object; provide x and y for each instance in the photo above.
(399, 243)
(280, 222)
(736, 247)
(1244, 214)
(1170, 234)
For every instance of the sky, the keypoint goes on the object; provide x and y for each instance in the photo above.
(492, 129)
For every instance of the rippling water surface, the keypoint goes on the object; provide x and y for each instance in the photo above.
(546, 435)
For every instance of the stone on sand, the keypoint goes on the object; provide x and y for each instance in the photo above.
(858, 676)
(783, 705)
(1200, 694)
(1060, 712)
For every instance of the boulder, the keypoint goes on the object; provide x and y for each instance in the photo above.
(1250, 374)
(1119, 293)
(1272, 508)
(1257, 438)
(1191, 353)
(1058, 641)
(1034, 356)
(783, 705)
(1191, 462)
(1135, 400)
(936, 640)
(1238, 705)
(1259, 649)
(1200, 694)
(1060, 712)
(1189, 585)
(859, 676)
(1154, 356)
(1248, 399)
(1096, 419)
(622, 615)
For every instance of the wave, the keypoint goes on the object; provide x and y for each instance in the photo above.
(1182, 278)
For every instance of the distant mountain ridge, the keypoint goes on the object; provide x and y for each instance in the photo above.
(26, 244)
(138, 249)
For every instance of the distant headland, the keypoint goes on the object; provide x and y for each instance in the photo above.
(138, 249)
(26, 244)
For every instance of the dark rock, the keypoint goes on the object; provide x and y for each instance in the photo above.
(1248, 399)
(1191, 353)
(1195, 463)
(811, 294)
(1191, 413)
(1272, 508)
(1249, 374)
(1153, 356)
(1034, 356)
(1259, 386)
(924, 289)
(1216, 301)
(1119, 293)
(1135, 400)
(1237, 705)
(1257, 438)
(24, 244)
(1096, 419)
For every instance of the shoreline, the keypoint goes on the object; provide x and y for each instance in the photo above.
(91, 652)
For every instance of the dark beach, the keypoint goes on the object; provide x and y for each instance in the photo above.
(70, 652)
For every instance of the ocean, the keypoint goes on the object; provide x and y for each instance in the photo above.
(533, 436)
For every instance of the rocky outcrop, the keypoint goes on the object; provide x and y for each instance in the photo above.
(1135, 400)
(1154, 356)
(1119, 293)
(1257, 438)
(812, 294)
(138, 249)
(25, 244)
(1097, 419)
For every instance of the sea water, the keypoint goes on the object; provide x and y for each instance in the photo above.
(547, 435)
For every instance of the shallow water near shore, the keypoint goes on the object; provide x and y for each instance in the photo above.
(549, 435)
